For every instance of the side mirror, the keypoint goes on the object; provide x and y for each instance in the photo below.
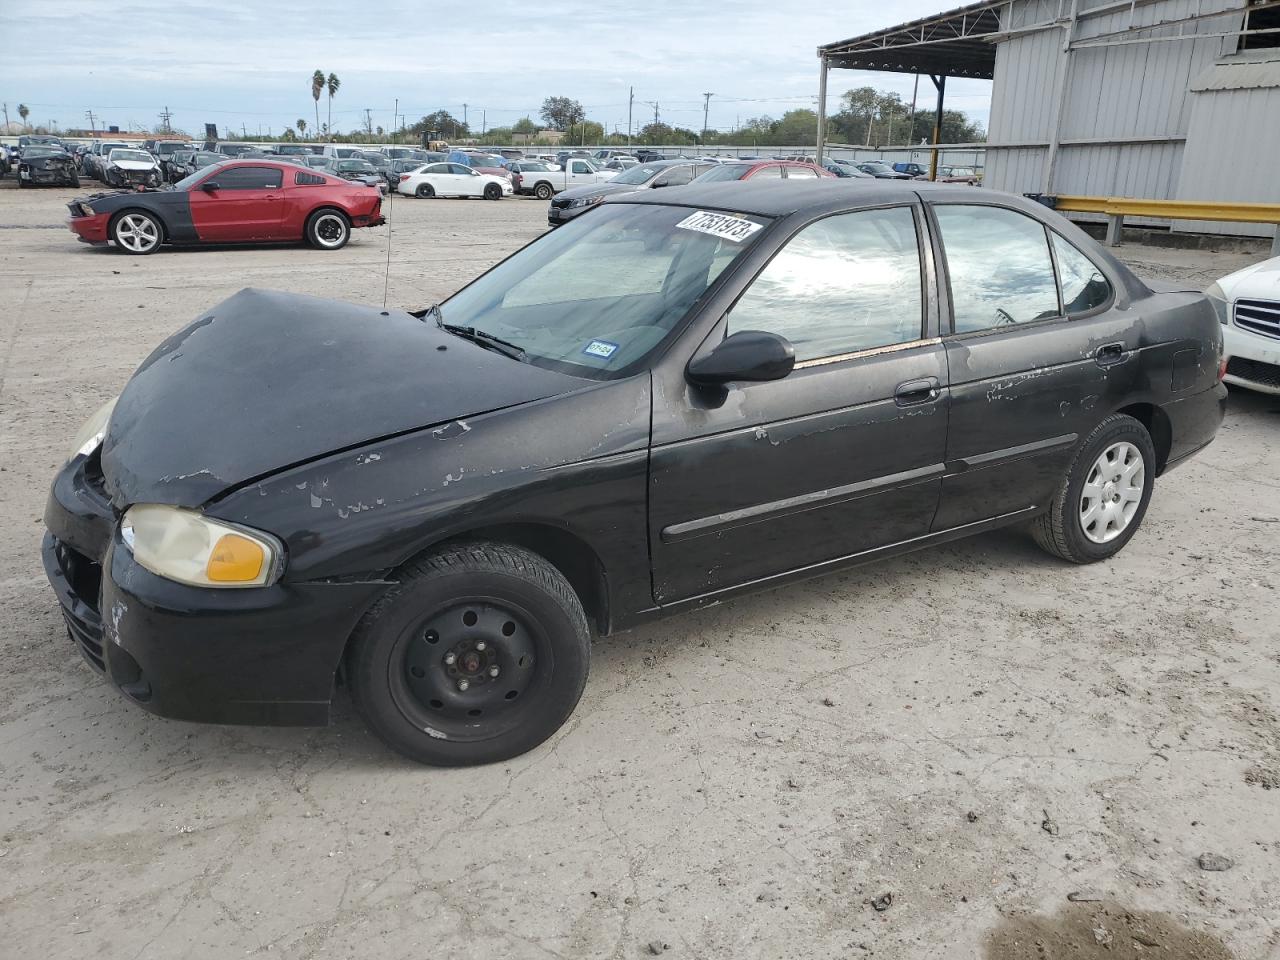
(209, 186)
(661, 183)
(751, 356)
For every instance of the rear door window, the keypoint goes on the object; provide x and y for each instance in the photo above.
(998, 265)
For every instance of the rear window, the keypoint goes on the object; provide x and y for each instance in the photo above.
(304, 179)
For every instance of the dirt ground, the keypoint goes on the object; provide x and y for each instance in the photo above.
(912, 760)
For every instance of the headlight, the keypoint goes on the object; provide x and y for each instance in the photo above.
(187, 546)
(587, 201)
(86, 210)
(90, 435)
(1219, 301)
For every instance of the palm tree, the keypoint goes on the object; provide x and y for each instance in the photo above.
(317, 88)
(302, 127)
(333, 83)
(23, 112)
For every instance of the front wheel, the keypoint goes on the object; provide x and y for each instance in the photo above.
(328, 229)
(492, 191)
(479, 653)
(75, 179)
(425, 191)
(136, 232)
(543, 191)
(1101, 501)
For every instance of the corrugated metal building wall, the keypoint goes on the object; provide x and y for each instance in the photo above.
(1117, 116)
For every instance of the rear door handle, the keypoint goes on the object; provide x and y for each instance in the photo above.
(273, 196)
(910, 392)
(1109, 354)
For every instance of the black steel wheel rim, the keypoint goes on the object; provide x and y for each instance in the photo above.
(472, 670)
(329, 229)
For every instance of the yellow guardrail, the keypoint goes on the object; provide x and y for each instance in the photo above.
(1117, 208)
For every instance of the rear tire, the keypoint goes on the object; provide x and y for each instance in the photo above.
(492, 191)
(479, 653)
(425, 191)
(543, 191)
(1104, 495)
(328, 229)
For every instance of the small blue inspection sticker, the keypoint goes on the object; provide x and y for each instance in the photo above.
(600, 348)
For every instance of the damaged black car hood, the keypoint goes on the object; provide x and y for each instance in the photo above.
(267, 380)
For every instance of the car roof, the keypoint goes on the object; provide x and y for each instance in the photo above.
(778, 198)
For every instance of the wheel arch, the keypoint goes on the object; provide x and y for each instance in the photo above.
(564, 549)
(1158, 425)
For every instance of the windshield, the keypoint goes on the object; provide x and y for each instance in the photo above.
(641, 174)
(168, 147)
(724, 171)
(878, 168)
(138, 155)
(187, 182)
(355, 166)
(530, 167)
(602, 292)
(33, 151)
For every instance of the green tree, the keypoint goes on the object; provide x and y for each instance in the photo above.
(655, 133)
(524, 125)
(796, 128)
(561, 113)
(332, 83)
(302, 127)
(317, 88)
(23, 112)
(441, 123)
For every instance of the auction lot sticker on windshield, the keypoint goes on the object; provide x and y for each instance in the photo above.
(722, 225)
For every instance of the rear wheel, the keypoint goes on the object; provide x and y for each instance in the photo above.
(328, 229)
(492, 191)
(425, 191)
(1103, 497)
(136, 232)
(479, 653)
(543, 191)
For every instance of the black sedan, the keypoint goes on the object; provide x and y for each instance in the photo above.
(576, 201)
(882, 171)
(750, 384)
(53, 166)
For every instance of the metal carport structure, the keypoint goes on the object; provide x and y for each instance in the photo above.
(957, 43)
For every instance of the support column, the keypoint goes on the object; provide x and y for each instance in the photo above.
(822, 107)
(941, 84)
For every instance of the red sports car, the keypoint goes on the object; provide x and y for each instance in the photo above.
(237, 201)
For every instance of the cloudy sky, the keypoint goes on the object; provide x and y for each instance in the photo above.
(249, 64)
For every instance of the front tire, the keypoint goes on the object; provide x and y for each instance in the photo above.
(1103, 497)
(543, 191)
(425, 191)
(492, 191)
(328, 229)
(136, 232)
(478, 654)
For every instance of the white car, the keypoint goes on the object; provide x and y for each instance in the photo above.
(453, 180)
(1248, 304)
(125, 166)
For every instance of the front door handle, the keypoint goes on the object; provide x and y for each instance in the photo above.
(1109, 354)
(911, 392)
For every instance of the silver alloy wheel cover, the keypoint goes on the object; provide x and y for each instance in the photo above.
(137, 233)
(1112, 492)
(330, 218)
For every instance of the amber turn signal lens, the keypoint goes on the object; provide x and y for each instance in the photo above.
(235, 559)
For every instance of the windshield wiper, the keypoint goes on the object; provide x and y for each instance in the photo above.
(487, 340)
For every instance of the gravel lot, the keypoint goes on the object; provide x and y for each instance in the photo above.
(977, 731)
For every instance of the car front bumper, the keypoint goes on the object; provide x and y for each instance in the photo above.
(92, 229)
(263, 655)
(1253, 360)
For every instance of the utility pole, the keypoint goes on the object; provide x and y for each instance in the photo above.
(484, 121)
(631, 102)
(706, 108)
(393, 118)
(165, 116)
(6, 118)
(88, 115)
(911, 123)
(368, 121)
(464, 116)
